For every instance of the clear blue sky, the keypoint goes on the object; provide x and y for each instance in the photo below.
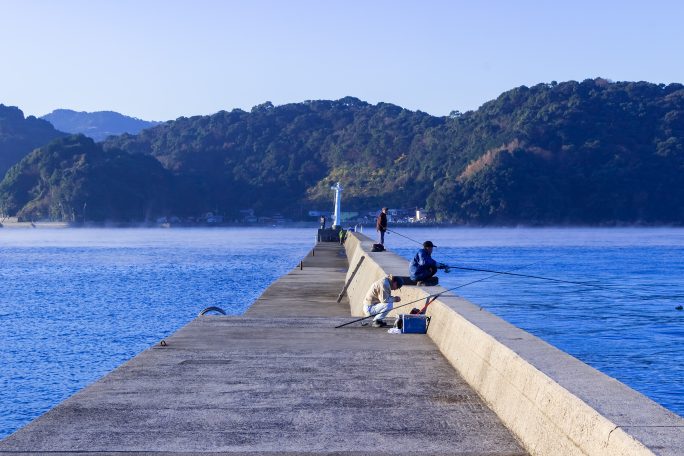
(159, 60)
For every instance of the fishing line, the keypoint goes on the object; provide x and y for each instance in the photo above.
(585, 284)
(436, 295)
(551, 279)
(446, 267)
(399, 234)
(463, 268)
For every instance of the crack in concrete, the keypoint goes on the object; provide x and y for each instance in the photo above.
(608, 439)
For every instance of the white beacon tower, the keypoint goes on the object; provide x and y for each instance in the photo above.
(338, 199)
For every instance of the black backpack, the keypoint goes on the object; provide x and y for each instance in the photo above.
(378, 248)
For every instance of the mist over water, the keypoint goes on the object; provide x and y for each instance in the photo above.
(77, 303)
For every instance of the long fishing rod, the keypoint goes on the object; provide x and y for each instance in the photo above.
(585, 284)
(447, 267)
(374, 315)
(437, 295)
(410, 239)
(463, 268)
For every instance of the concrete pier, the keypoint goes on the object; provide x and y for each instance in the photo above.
(554, 403)
(278, 380)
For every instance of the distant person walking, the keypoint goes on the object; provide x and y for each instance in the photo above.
(381, 224)
(322, 222)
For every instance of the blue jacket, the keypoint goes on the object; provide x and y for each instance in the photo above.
(421, 262)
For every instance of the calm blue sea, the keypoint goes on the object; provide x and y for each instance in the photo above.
(629, 329)
(77, 303)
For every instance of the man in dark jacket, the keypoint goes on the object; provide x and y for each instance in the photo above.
(423, 267)
(381, 224)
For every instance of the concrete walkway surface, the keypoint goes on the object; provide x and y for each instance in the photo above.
(277, 380)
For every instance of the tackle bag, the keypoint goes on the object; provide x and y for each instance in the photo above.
(413, 324)
(378, 248)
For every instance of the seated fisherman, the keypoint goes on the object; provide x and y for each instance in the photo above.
(379, 300)
(423, 267)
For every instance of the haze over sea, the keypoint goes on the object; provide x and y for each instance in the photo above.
(76, 303)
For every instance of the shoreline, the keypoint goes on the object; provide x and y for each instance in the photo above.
(314, 225)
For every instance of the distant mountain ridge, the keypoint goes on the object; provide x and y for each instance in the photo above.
(97, 125)
(573, 153)
(19, 135)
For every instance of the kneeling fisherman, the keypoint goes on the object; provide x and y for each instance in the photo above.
(379, 300)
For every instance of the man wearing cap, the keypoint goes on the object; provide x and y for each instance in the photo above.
(423, 267)
(379, 300)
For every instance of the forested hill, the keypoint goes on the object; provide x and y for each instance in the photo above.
(97, 125)
(73, 176)
(593, 152)
(582, 153)
(285, 158)
(19, 135)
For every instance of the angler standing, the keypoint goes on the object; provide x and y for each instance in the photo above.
(381, 224)
(379, 300)
(423, 268)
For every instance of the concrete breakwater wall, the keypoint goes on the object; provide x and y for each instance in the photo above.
(554, 403)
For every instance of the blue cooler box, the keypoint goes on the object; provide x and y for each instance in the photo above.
(414, 324)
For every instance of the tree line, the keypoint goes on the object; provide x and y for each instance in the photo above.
(590, 152)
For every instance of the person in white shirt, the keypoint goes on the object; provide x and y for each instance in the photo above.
(379, 300)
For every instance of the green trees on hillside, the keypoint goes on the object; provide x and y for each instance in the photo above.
(590, 152)
(279, 159)
(19, 136)
(73, 174)
(574, 152)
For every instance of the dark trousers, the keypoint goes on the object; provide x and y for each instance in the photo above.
(382, 237)
(423, 274)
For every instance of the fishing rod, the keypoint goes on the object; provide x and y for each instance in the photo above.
(393, 308)
(410, 239)
(446, 269)
(437, 295)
